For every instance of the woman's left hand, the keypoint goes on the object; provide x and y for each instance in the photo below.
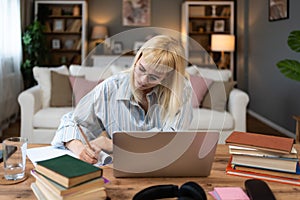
(102, 143)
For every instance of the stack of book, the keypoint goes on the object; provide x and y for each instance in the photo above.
(265, 157)
(66, 177)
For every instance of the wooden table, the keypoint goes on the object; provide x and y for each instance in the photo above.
(125, 188)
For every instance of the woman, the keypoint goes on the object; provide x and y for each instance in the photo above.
(154, 94)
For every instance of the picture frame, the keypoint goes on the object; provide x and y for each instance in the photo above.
(58, 25)
(136, 12)
(118, 48)
(219, 25)
(278, 10)
(137, 45)
(55, 44)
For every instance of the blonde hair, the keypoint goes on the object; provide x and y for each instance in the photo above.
(166, 55)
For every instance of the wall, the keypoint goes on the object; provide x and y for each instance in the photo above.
(273, 97)
(164, 14)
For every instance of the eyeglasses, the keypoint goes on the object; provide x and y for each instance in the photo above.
(151, 78)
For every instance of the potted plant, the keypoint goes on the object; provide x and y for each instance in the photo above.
(35, 50)
(291, 68)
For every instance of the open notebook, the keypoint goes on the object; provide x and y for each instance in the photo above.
(163, 154)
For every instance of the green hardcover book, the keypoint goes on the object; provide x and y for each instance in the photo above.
(68, 171)
(63, 191)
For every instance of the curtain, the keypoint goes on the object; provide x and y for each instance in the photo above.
(10, 61)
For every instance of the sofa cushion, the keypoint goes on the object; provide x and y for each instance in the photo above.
(206, 119)
(200, 86)
(213, 74)
(49, 117)
(61, 90)
(81, 87)
(43, 77)
(217, 95)
(90, 73)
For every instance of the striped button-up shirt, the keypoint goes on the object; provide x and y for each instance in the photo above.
(110, 107)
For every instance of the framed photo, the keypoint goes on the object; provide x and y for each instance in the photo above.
(278, 10)
(137, 45)
(219, 26)
(58, 25)
(136, 12)
(55, 44)
(118, 48)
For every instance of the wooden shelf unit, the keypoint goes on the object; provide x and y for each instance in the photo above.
(201, 19)
(65, 25)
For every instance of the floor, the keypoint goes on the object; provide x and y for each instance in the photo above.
(253, 125)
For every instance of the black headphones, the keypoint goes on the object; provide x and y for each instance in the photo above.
(188, 191)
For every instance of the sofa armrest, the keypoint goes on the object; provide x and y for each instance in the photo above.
(237, 106)
(30, 102)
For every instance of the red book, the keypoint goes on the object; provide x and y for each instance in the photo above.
(231, 170)
(260, 141)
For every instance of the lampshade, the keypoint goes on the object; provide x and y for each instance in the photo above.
(99, 32)
(222, 42)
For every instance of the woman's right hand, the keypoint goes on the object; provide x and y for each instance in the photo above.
(82, 151)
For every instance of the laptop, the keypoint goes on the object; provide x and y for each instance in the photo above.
(163, 154)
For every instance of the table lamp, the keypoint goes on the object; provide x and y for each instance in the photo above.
(222, 43)
(99, 32)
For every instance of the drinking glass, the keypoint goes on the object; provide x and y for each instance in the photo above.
(14, 157)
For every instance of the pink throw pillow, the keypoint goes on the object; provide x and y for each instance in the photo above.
(81, 87)
(200, 86)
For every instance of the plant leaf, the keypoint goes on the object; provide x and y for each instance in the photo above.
(294, 40)
(290, 68)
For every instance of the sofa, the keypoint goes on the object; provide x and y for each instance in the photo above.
(40, 118)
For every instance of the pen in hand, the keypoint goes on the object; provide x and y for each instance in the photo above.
(90, 150)
(84, 137)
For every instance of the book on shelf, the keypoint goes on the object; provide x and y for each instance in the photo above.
(47, 27)
(279, 164)
(77, 45)
(61, 190)
(75, 26)
(260, 141)
(261, 153)
(42, 193)
(231, 169)
(67, 170)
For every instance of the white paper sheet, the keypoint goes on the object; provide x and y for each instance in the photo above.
(48, 152)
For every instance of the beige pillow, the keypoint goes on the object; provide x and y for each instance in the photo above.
(43, 77)
(217, 95)
(61, 90)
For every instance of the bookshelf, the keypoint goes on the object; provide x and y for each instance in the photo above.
(65, 30)
(200, 20)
